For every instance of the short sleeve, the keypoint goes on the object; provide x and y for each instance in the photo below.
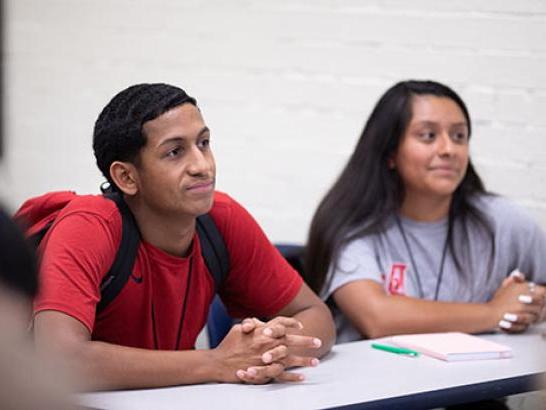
(531, 244)
(260, 281)
(357, 261)
(519, 237)
(78, 251)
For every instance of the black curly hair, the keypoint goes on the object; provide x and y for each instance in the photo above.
(118, 132)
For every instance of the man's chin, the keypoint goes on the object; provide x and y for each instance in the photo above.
(203, 205)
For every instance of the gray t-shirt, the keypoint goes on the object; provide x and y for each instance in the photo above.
(519, 243)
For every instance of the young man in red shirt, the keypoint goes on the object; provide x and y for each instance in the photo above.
(152, 145)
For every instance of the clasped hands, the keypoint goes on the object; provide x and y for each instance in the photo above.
(519, 302)
(257, 352)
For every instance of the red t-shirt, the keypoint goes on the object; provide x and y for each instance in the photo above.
(80, 249)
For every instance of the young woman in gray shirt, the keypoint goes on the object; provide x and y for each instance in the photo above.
(408, 240)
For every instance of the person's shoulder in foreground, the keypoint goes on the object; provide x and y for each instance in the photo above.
(153, 146)
(26, 381)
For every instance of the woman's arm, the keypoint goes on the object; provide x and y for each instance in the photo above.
(375, 313)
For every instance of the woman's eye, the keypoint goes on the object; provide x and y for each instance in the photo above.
(460, 137)
(204, 143)
(427, 135)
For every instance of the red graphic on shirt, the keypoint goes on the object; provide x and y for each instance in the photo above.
(396, 282)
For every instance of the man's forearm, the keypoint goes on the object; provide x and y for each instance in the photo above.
(105, 366)
(317, 322)
(316, 319)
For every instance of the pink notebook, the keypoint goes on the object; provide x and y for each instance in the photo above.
(453, 346)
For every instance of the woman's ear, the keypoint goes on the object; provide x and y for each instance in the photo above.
(391, 164)
(125, 176)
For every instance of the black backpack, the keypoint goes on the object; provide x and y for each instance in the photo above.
(39, 214)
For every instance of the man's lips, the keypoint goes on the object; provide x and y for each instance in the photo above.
(201, 186)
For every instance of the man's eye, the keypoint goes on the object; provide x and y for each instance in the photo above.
(204, 143)
(173, 152)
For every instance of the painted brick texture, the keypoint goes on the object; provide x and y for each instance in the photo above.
(285, 86)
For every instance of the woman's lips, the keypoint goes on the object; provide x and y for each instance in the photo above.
(445, 170)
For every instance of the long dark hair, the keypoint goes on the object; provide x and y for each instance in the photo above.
(367, 192)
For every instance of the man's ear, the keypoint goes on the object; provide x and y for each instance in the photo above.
(125, 176)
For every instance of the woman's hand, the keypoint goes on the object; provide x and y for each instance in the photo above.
(517, 304)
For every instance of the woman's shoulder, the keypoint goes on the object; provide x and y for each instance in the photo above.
(502, 211)
(357, 245)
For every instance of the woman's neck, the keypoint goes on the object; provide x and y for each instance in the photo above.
(425, 209)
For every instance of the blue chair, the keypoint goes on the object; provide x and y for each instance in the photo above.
(219, 322)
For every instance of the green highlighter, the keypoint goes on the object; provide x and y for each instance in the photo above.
(397, 350)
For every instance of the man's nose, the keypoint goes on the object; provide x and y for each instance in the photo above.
(199, 163)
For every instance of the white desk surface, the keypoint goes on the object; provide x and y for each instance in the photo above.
(353, 373)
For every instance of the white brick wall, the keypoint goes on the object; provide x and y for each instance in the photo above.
(284, 85)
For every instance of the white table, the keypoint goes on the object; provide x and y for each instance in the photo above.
(355, 376)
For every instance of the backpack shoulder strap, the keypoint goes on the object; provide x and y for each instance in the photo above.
(121, 268)
(213, 249)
